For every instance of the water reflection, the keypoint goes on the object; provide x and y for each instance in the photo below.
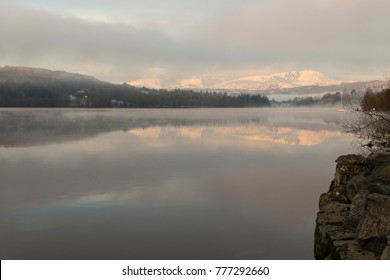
(24, 127)
(164, 184)
(245, 133)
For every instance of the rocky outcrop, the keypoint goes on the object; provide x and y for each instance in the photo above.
(354, 217)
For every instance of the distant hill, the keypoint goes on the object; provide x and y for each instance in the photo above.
(282, 80)
(34, 87)
(275, 81)
(38, 76)
(343, 87)
(293, 82)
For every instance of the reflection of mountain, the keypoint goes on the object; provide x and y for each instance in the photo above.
(40, 127)
(197, 174)
(249, 132)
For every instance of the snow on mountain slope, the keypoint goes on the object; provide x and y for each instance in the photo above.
(148, 82)
(192, 82)
(283, 80)
(279, 81)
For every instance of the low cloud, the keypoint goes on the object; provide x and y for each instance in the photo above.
(341, 38)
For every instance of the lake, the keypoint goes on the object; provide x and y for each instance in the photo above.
(164, 183)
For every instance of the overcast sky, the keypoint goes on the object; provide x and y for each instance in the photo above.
(124, 40)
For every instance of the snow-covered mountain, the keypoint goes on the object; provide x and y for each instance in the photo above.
(192, 82)
(284, 80)
(279, 81)
(149, 83)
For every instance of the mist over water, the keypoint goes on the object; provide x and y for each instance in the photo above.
(164, 184)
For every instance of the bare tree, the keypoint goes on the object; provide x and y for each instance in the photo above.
(371, 120)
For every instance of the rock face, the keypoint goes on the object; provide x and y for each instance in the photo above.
(354, 217)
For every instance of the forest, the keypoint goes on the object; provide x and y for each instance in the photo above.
(105, 95)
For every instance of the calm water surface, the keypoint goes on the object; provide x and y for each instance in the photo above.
(164, 184)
